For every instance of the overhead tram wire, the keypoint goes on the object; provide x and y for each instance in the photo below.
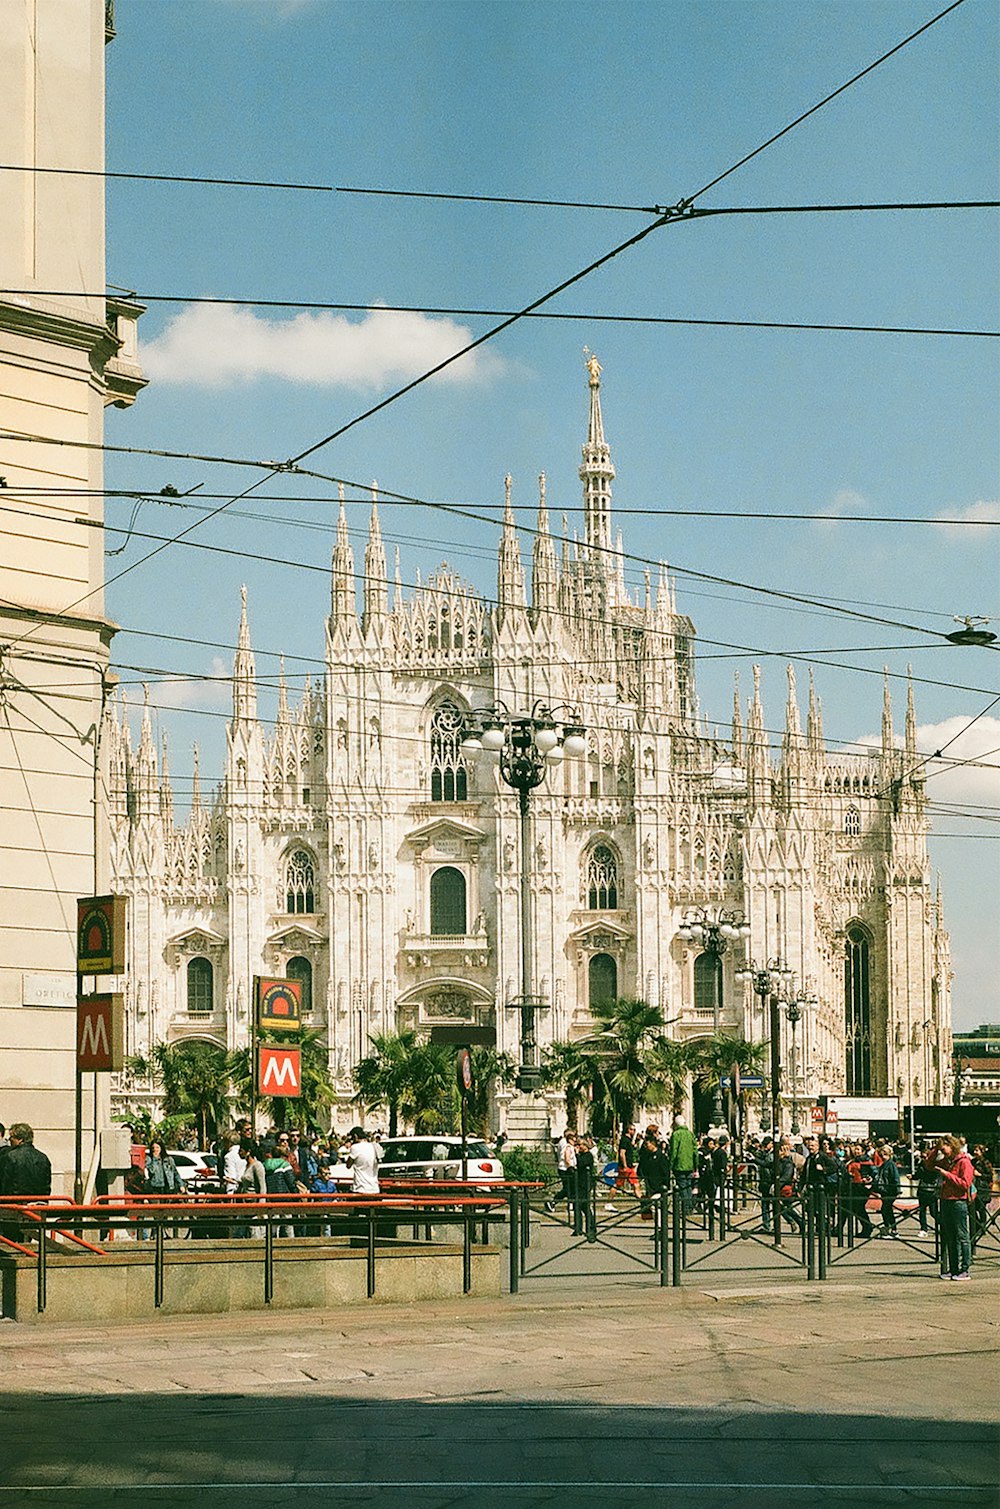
(321, 306)
(144, 495)
(452, 510)
(671, 216)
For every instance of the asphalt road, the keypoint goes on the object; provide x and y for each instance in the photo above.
(877, 1389)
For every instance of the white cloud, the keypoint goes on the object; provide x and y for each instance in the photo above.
(948, 780)
(846, 503)
(216, 345)
(212, 688)
(958, 520)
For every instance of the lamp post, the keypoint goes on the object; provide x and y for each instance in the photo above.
(766, 981)
(529, 745)
(793, 1011)
(714, 932)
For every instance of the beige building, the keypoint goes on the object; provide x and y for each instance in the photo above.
(66, 351)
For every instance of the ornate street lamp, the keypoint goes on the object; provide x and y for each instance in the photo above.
(793, 1011)
(714, 932)
(529, 745)
(766, 981)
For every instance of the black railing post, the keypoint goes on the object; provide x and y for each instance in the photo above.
(371, 1253)
(514, 1234)
(525, 1219)
(158, 1260)
(809, 1214)
(823, 1232)
(268, 1258)
(42, 1292)
(467, 1215)
(723, 1183)
(678, 1242)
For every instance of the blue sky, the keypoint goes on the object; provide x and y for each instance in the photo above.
(627, 103)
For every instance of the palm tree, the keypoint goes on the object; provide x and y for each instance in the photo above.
(568, 1066)
(384, 1077)
(714, 1057)
(489, 1068)
(316, 1088)
(625, 1063)
(194, 1078)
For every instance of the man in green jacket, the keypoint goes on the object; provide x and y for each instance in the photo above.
(683, 1157)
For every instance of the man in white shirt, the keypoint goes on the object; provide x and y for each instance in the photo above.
(364, 1158)
(566, 1169)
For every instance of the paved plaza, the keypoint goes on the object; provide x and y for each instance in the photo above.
(748, 1385)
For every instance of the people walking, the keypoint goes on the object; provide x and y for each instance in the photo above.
(927, 1182)
(364, 1159)
(566, 1169)
(886, 1184)
(24, 1170)
(683, 1156)
(628, 1175)
(957, 1175)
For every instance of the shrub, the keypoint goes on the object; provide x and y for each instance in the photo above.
(527, 1165)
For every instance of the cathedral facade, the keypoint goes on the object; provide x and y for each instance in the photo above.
(355, 846)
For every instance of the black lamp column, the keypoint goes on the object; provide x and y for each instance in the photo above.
(714, 933)
(528, 745)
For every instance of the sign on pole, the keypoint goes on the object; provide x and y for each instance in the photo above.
(463, 1071)
(100, 1033)
(279, 1070)
(100, 935)
(279, 1004)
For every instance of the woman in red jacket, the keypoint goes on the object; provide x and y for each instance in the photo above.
(955, 1168)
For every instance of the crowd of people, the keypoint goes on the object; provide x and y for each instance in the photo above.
(953, 1187)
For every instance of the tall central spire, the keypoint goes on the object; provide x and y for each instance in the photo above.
(596, 474)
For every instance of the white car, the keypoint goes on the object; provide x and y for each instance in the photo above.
(439, 1158)
(192, 1167)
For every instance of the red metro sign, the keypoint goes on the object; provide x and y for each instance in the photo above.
(279, 1070)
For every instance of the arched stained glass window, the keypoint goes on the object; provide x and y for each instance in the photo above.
(602, 879)
(602, 979)
(857, 1010)
(852, 822)
(300, 882)
(447, 902)
(449, 779)
(199, 987)
(300, 969)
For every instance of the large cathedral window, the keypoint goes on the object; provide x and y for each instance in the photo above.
(852, 822)
(447, 902)
(300, 969)
(300, 882)
(199, 987)
(449, 780)
(857, 1010)
(707, 982)
(602, 879)
(602, 979)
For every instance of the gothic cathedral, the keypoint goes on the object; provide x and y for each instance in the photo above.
(354, 846)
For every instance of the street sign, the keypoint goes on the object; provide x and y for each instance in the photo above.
(279, 1004)
(463, 1070)
(747, 1081)
(279, 1070)
(100, 935)
(100, 1033)
(464, 1037)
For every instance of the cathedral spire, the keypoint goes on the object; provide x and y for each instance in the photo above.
(510, 572)
(376, 589)
(758, 765)
(342, 570)
(397, 585)
(737, 736)
(888, 738)
(282, 692)
(911, 722)
(597, 474)
(148, 803)
(196, 783)
(814, 724)
(166, 791)
(244, 670)
(544, 569)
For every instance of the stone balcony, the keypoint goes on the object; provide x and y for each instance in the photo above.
(436, 950)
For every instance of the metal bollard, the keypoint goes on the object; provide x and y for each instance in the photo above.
(678, 1240)
(823, 1232)
(515, 1252)
(466, 1249)
(661, 1234)
(268, 1258)
(42, 1290)
(158, 1263)
(809, 1213)
(370, 1255)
